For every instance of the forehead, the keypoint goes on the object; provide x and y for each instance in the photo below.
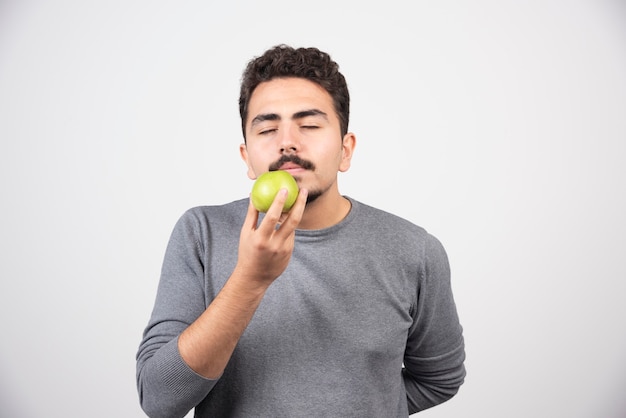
(288, 95)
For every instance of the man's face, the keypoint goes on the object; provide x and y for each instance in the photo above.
(292, 125)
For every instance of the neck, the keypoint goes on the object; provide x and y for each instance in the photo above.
(325, 211)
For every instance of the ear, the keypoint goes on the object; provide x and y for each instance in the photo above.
(243, 152)
(347, 149)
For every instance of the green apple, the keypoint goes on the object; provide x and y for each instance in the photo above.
(267, 186)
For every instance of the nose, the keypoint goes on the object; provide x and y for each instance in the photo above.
(289, 143)
(288, 150)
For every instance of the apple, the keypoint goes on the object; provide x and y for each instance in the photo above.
(267, 186)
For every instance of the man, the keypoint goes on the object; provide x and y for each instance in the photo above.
(334, 309)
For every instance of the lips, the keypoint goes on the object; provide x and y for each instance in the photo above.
(290, 166)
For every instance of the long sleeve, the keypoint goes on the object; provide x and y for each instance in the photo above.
(167, 387)
(434, 359)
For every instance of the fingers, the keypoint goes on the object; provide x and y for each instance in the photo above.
(275, 214)
(252, 217)
(293, 218)
(264, 251)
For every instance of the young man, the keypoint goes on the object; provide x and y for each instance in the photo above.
(334, 309)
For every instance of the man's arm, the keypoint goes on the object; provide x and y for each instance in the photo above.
(434, 359)
(264, 252)
(186, 347)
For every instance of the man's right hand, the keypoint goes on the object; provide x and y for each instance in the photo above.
(265, 249)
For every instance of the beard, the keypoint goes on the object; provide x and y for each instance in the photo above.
(313, 195)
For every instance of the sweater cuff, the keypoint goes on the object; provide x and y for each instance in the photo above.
(185, 384)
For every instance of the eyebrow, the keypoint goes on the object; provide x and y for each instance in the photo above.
(298, 115)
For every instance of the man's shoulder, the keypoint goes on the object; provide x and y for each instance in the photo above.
(231, 211)
(391, 228)
(234, 206)
(384, 218)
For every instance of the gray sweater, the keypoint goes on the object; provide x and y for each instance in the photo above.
(362, 323)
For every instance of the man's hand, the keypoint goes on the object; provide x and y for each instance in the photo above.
(265, 249)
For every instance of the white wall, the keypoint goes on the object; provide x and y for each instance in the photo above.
(500, 126)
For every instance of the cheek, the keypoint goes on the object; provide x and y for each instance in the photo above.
(255, 158)
(329, 163)
(331, 154)
(253, 166)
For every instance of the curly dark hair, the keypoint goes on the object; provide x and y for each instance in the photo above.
(308, 63)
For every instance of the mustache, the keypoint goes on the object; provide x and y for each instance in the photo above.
(306, 164)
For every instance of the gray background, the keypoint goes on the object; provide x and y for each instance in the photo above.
(498, 125)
